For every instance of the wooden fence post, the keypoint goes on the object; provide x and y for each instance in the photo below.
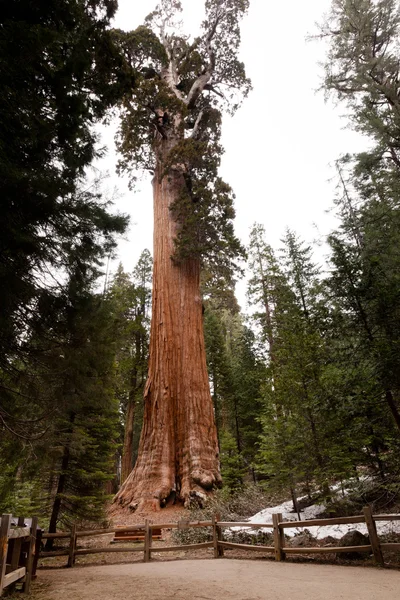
(150, 541)
(31, 555)
(373, 536)
(147, 541)
(16, 551)
(39, 534)
(215, 536)
(219, 534)
(72, 547)
(279, 537)
(4, 530)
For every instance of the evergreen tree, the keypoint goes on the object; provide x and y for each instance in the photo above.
(171, 125)
(263, 284)
(218, 366)
(60, 416)
(60, 72)
(79, 374)
(248, 374)
(301, 439)
(363, 70)
(131, 296)
(236, 374)
(233, 469)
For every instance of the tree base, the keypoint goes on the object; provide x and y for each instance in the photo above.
(147, 501)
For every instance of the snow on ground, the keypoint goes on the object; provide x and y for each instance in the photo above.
(312, 512)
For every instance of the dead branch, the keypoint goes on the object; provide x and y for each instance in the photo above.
(200, 83)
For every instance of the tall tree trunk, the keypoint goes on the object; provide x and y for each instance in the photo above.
(393, 407)
(266, 301)
(60, 486)
(178, 451)
(112, 485)
(127, 450)
(215, 400)
(293, 493)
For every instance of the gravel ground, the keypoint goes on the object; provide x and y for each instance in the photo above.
(217, 579)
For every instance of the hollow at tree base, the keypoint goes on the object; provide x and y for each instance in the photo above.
(156, 502)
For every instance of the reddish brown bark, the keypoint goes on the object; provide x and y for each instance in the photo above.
(178, 451)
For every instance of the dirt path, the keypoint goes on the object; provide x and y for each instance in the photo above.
(217, 579)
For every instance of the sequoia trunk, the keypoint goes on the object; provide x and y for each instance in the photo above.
(178, 451)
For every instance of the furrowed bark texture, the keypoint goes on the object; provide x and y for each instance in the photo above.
(178, 451)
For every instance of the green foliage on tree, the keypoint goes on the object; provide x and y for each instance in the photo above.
(236, 373)
(302, 435)
(182, 86)
(60, 72)
(332, 393)
(233, 469)
(363, 70)
(131, 299)
(64, 470)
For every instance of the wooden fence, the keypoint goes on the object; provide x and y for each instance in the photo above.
(72, 552)
(280, 551)
(18, 556)
(278, 526)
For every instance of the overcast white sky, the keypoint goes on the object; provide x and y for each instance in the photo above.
(281, 145)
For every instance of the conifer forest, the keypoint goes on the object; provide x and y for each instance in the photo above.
(137, 390)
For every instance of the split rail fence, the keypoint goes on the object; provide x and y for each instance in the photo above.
(18, 551)
(278, 526)
(20, 545)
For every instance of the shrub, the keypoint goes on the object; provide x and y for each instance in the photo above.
(237, 506)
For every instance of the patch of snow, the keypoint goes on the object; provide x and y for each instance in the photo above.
(312, 512)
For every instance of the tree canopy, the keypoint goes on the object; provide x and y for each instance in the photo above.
(182, 86)
(60, 72)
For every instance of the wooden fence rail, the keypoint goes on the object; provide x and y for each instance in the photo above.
(18, 554)
(279, 548)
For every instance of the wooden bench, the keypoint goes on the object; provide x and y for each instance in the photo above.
(136, 535)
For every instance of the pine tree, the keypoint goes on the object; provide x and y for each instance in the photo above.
(302, 437)
(262, 286)
(131, 297)
(218, 366)
(60, 72)
(79, 375)
(60, 416)
(236, 373)
(363, 70)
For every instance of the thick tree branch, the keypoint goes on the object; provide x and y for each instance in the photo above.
(169, 75)
(197, 124)
(212, 89)
(201, 82)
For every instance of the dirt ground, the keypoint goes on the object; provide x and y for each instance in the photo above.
(217, 579)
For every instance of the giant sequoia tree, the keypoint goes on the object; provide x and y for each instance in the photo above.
(171, 125)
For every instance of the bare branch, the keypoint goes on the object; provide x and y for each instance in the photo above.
(197, 124)
(169, 75)
(200, 83)
(211, 88)
(22, 436)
